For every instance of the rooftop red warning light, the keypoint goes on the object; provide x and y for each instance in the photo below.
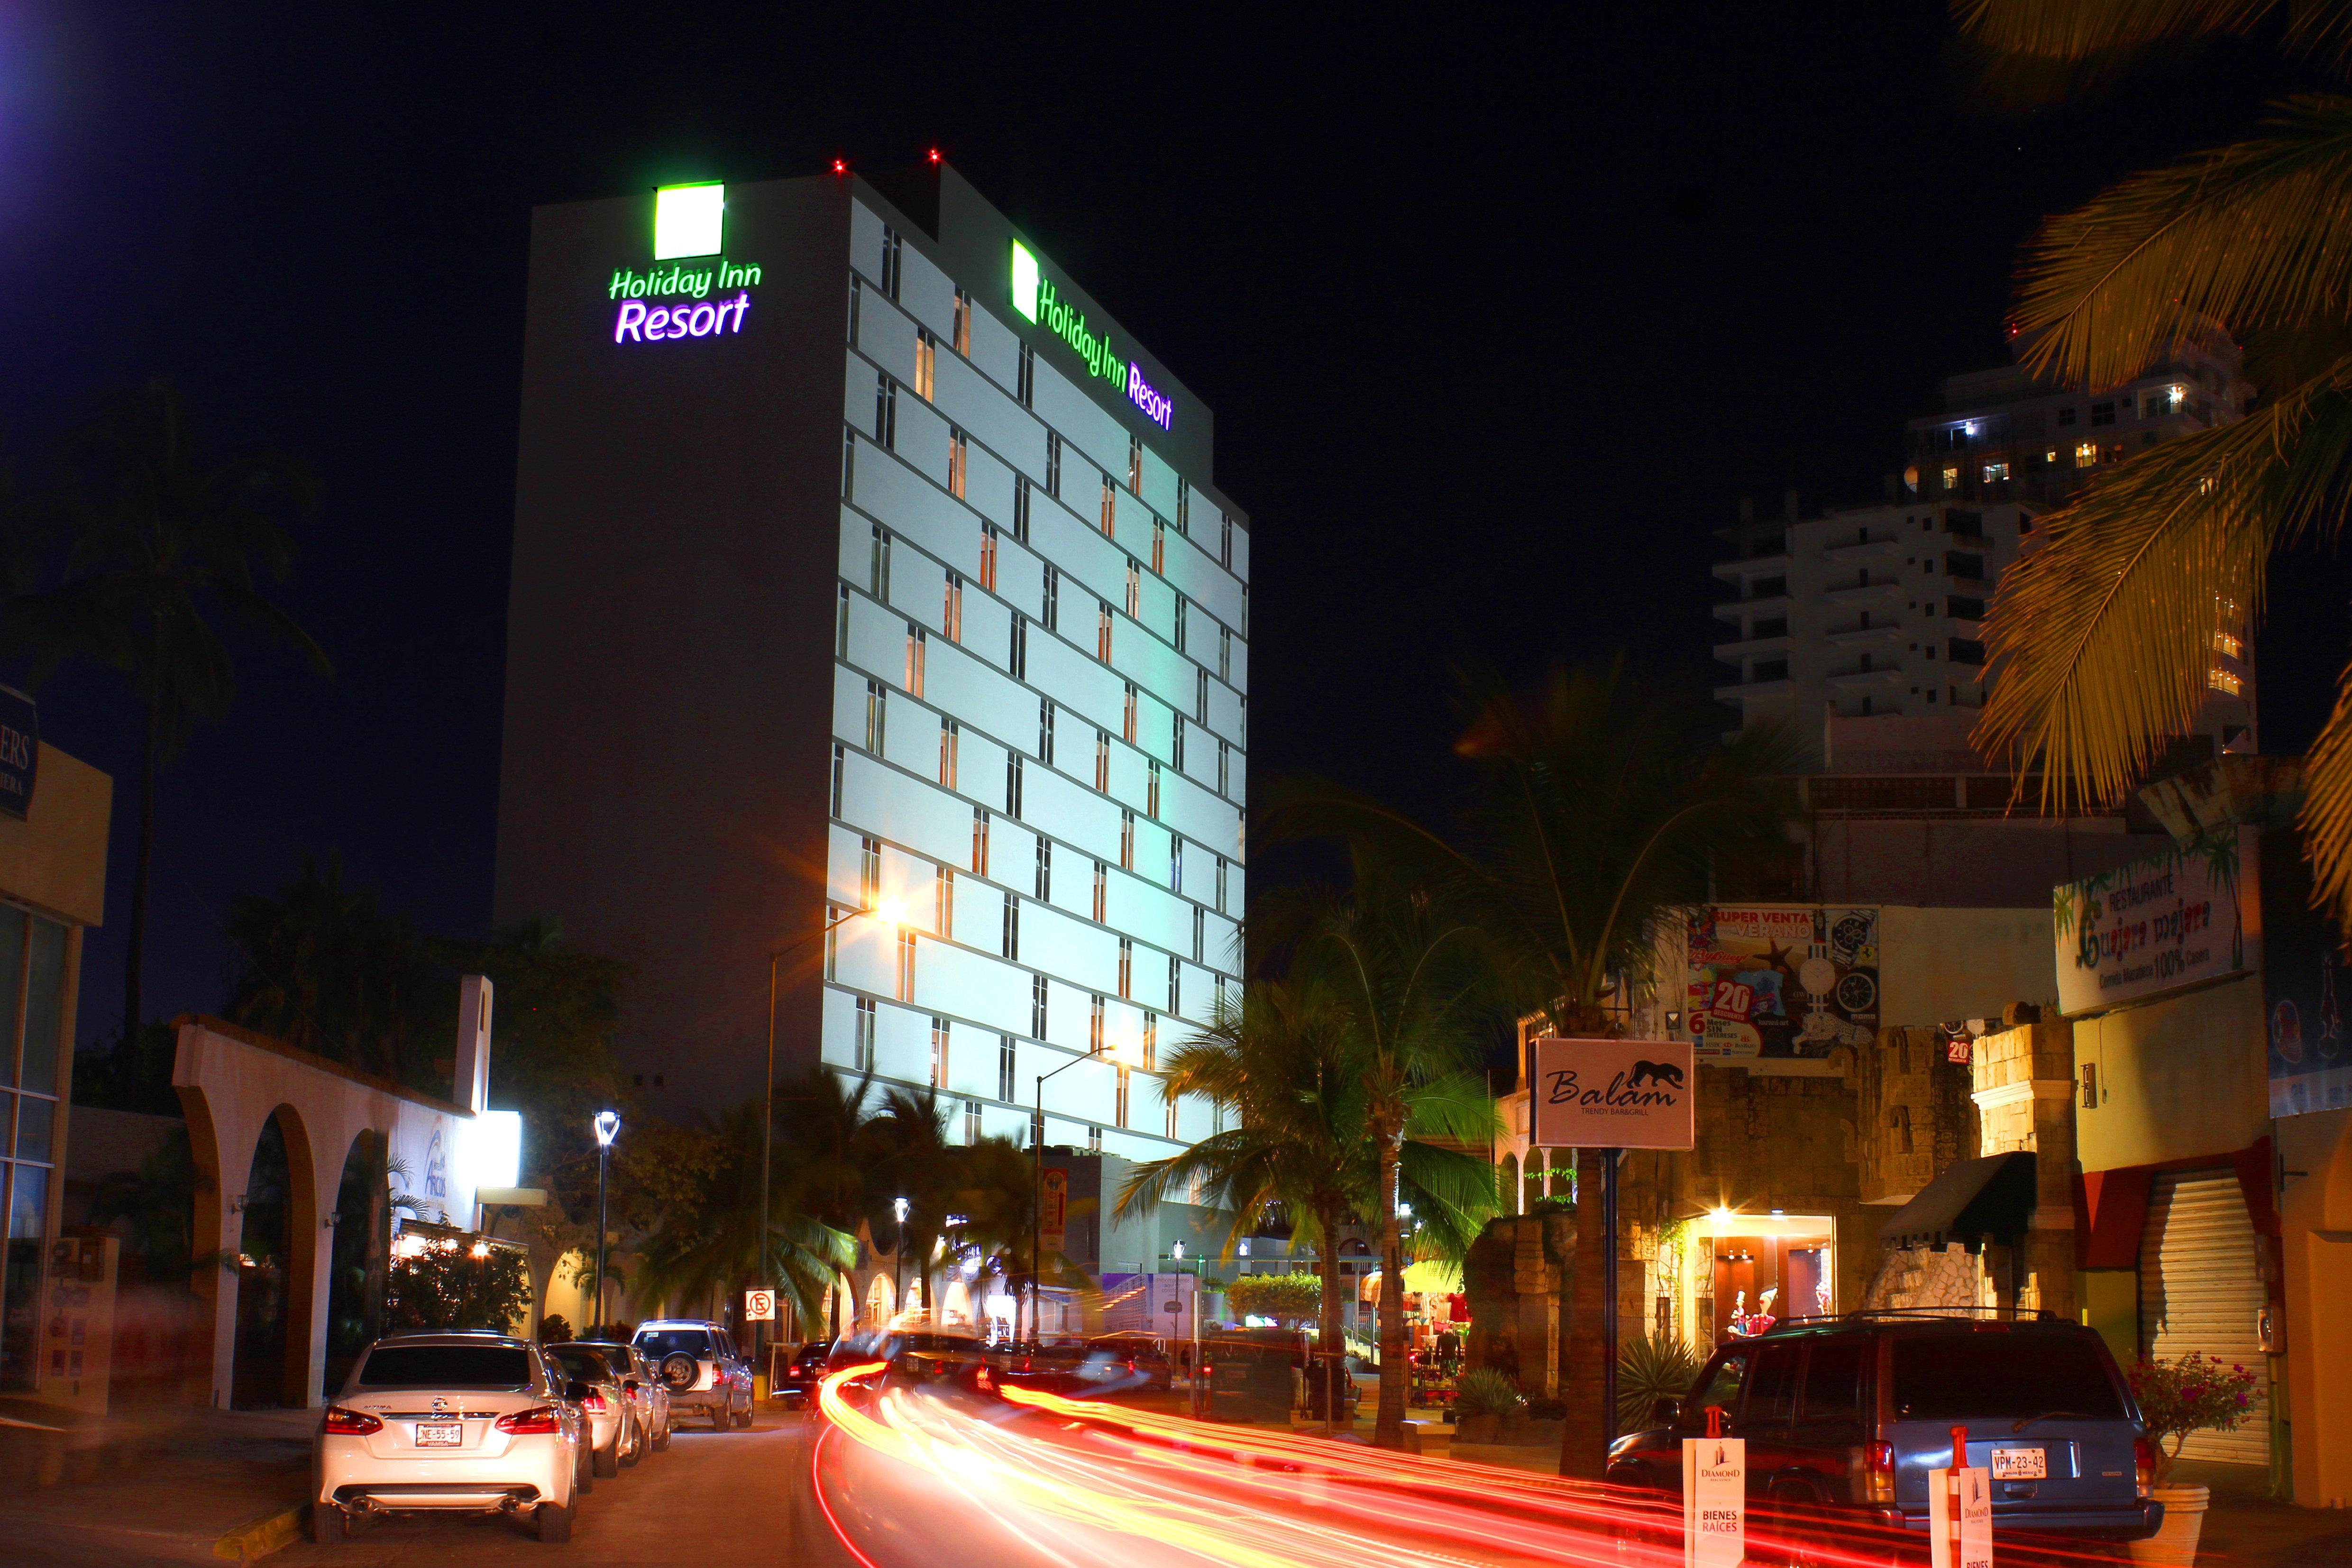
(935, 154)
(840, 166)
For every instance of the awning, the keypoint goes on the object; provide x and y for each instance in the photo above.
(1971, 1200)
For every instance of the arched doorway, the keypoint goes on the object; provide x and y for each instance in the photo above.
(879, 1308)
(1506, 1185)
(264, 1261)
(355, 1278)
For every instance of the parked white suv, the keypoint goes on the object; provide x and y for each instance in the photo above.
(698, 1359)
(451, 1423)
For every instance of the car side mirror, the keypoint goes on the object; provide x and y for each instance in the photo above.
(576, 1390)
(1666, 1410)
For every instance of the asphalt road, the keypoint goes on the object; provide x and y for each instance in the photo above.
(714, 1498)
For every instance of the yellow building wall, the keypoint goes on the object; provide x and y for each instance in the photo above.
(56, 860)
(2177, 1077)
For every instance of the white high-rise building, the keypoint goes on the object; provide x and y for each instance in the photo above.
(873, 606)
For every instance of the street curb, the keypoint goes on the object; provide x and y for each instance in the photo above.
(257, 1538)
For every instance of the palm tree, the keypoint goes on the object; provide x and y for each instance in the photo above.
(992, 1189)
(715, 1244)
(905, 1155)
(1281, 1065)
(1405, 974)
(325, 967)
(2104, 637)
(168, 542)
(1604, 813)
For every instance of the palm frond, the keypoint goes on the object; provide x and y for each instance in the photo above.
(2326, 814)
(2257, 233)
(2103, 638)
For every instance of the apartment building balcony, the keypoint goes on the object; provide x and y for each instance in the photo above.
(1860, 594)
(1741, 690)
(1891, 677)
(1737, 610)
(1731, 653)
(1855, 554)
(1868, 637)
(1748, 567)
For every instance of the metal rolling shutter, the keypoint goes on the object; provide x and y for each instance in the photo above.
(2198, 1292)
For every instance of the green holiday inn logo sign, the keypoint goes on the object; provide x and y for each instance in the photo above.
(664, 303)
(1034, 296)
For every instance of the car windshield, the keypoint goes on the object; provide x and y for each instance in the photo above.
(658, 1342)
(447, 1367)
(589, 1366)
(2000, 1376)
(618, 1355)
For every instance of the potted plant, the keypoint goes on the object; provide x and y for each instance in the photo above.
(1486, 1396)
(2194, 1394)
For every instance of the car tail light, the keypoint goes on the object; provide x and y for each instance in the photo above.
(537, 1421)
(2144, 1464)
(342, 1422)
(594, 1404)
(1879, 1473)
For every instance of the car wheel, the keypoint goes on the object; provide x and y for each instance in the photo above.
(661, 1438)
(607, 1461)
(634, 1448)
(554, 1524)
(584, 1473)
(721, 1419)
(327, 1524)
(743, 1417)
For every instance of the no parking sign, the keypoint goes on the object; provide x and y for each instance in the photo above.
(759, 1306)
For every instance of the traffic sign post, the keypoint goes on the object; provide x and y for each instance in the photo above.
(1959, 1510)
(1715, 1496)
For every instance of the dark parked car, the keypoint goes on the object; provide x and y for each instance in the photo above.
(1143, 1357)
(797, 1375)
(1852, 1413)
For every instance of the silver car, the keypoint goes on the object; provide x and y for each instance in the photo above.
(648, 1395)
(615, 1436)
(698, 1359)
(454, 1423)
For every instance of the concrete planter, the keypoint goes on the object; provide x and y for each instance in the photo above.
(1485, 1428)
(2174, 1544)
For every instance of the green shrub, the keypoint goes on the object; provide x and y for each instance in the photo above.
(1485, 1391)
(1648, 1371)
(1288, 1299)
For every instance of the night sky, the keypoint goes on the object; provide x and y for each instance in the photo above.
(1501, 314)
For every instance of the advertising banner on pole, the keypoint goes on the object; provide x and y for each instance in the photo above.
(1714, 1502)
(1613, 1094)
(1055, 1212)
(759, 1306)
(1960, 1518)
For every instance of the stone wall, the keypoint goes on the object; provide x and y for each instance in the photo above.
(2024, 1092)
(1915, 1115)
(1930, 1277)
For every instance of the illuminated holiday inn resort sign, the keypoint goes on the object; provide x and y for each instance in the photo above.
(676, 300)
(1034, 296)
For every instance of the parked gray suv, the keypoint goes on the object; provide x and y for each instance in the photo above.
(697, 1358)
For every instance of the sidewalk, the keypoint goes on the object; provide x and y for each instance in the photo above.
(179, 1485)
(2246, 1529)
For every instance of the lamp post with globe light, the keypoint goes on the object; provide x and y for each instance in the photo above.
(608, 1127)
(898, 1259)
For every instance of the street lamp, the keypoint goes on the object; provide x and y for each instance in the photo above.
(1192, 1369)
(608, 1127)
(898, 1259)
(888, 910)
(1037, 1192)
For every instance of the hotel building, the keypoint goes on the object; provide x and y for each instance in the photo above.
(875, 622)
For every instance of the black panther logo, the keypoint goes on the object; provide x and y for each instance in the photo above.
(1665, 1073)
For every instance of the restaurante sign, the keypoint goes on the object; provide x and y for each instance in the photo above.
(2158, 924)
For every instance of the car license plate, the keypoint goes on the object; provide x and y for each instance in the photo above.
(452, 1435)
(2020, 1464)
